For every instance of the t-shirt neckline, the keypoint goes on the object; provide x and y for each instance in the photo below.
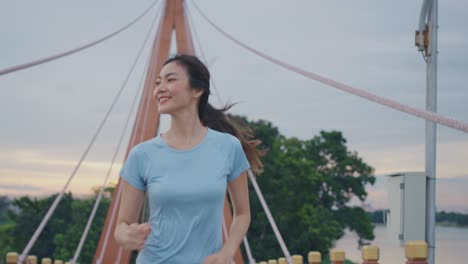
(160, 139)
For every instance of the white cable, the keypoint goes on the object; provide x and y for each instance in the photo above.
(69, 52)
(119, 256)
(204, 58)
(247, 250)
(270, 217)
(111, 222)
(148, 98)
(425, 114)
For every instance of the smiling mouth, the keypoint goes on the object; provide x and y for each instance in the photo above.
(162, 100)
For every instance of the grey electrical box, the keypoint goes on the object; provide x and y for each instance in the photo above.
(406, 213)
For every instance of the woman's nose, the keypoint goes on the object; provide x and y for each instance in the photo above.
(156, 91)
(160, 87)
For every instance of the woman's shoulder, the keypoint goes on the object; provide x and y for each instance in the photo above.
(225, 142)
(224, 137)
(145, 147)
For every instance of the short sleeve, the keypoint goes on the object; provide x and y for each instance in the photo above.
(131, 169)
(240, 162)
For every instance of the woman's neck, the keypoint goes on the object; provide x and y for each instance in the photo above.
(186, 130)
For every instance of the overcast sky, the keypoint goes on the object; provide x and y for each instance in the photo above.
(49, 113)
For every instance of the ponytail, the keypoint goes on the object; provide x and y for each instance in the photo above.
(218, 120)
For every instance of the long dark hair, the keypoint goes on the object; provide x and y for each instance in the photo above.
(216, 119)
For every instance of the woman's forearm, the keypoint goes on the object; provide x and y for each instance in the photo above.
(240, 225)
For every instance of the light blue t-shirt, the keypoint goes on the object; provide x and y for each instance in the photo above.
(186, 191)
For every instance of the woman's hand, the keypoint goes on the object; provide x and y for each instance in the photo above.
(133, 236)
(222, 257)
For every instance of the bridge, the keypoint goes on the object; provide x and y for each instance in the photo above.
(176, 16)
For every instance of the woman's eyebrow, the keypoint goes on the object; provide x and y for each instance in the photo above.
(169, 74)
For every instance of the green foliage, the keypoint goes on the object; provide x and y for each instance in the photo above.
(28, 213)
(68, 241)
(443, 218)
(308, 185)
(453, 218)
(4, 204)
(62, 233)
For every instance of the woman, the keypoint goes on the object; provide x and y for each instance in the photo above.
(185, 172)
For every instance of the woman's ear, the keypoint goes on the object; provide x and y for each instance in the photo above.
(197, 92)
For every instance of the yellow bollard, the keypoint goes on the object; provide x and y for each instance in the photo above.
(416, 252)
(297, 259)
(11, 258)
(337, 256)
(57, 261)
(46, 261)
(272, 261)
(31, 260)
(282, 261)
(370, 254)
(314, 257)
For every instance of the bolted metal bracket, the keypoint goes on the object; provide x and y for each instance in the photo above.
(422, 40)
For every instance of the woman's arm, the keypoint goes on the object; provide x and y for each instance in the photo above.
(128, 233)
(239, 193)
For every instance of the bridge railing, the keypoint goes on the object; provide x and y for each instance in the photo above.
(12, 258)
(415, 252)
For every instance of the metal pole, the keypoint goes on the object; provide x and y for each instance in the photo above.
(431, 105)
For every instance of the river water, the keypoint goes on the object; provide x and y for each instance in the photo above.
(451, 246)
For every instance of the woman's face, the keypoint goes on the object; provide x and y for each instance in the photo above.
(173, 92)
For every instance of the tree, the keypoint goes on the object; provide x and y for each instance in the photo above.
(67, 242)
(452, 218)
(308, 185)
(4, 205)
(5, 227)
(27, 214)
(61, 235)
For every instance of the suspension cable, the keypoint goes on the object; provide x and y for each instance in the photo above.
(127, 122)
(80, 48)
(425, 114)
(248, 251)
(113, 215)
(200, 48)
(85, 153)
(269, 216)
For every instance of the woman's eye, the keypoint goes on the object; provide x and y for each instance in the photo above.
(170, 80)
